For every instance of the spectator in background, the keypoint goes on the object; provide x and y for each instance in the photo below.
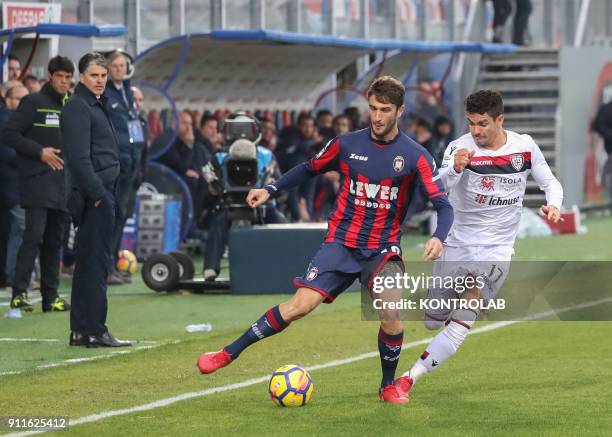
(442, 135)
(12, 216)
(209, 134)
(186, 156)
(302, 146)
(427, 100)
(603, 126)
(324, 121)
(31, 83)
(268, 136)
(14, 67)
(92, 158)
(34, 132)
(130, 136)
(423, 133)
(341, 125)
(142, 117)
(353, 114)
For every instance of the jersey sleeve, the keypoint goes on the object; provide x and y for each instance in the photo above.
(325, 160)
(447, 172)
(432, 184)
(544, 177)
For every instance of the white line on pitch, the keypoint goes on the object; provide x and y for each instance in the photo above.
(30, 340)
(249, 382)
(147, 345)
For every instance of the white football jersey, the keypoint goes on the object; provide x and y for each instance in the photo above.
(487, 196)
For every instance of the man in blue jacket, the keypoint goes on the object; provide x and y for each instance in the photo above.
(92, 161)
(124, 116)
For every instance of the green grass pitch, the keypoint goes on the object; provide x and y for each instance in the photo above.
(533, 378)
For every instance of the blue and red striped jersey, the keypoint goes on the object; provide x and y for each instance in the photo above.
(377, 181)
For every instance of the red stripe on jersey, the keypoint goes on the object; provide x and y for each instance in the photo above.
(325, 157)
(402, 201)
(340, 204)
(379, 220)
(358, 216)
(433, 190)
(498, 160)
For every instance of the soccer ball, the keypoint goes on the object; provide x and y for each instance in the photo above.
(127, 262)
(290, 386)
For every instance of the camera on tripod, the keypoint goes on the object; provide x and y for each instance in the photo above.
(235, 169)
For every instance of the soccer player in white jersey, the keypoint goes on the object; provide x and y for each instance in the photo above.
(485, 172)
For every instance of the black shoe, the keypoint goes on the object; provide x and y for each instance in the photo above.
(106, 340)
(78, 339)
(58, 304)
(115, 279)
(21, 301)
(127, 277)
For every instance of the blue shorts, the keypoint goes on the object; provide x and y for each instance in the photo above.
(335, 267)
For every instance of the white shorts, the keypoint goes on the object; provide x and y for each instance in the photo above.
(490, 266)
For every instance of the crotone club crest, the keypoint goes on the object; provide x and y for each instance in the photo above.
(517, 161)
(312, 273)
(398, 163)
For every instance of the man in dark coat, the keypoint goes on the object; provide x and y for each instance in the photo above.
(92, 160)
(33, 131)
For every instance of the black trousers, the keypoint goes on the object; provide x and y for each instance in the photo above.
(43, 236)
(521, 19)
(5, 227)
(93, 250)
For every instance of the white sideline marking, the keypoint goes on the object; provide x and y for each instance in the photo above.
(249, 382)
(147, 345)
(30, 340)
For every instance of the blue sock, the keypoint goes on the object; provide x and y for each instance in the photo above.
(389, 347)
(267, 325)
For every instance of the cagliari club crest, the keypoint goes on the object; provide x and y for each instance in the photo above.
(398, 163)
(517, 161)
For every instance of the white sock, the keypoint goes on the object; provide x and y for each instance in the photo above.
(441, 347)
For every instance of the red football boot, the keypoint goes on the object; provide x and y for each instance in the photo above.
(391, 395)
(211, 361)
(404, 384)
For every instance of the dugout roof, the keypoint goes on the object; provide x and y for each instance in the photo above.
(248, 69)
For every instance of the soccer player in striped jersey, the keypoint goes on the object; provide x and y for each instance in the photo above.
(379, 167)
(486, 173)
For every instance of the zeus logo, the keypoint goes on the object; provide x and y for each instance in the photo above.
(373, 191)
(358, 157)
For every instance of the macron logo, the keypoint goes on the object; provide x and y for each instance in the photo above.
(358, 157)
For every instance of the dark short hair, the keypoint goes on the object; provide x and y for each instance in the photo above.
(303, 117)
(424, 123)
(14, 58)
(28, 77)
(387, 89)
(485, 102)
(92, 58)
(60, 63)
(323, 112)
(206, 118)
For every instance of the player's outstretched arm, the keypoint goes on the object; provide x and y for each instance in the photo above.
(548, 183)
(257, 197)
